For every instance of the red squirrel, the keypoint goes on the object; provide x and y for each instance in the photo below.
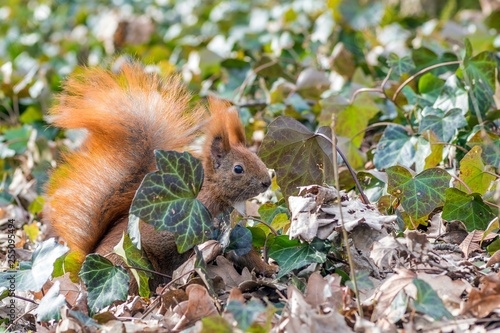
(127, 116)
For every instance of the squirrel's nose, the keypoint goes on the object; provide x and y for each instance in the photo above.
(266, 184)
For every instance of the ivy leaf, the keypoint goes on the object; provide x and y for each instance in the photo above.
(299, 156)
(395, 147)
(167, 200)
(468, 208)
(269, 210)
(481, 73)
(33, 274)
(453, 95)
(472, 172)
(105, 282)
(361, 17)
(444, 124)
(421, 194)
(49, 306)
(490, 153)
(245, 314)
(490, 147)
(399, 65)
(428, 301)
(353, 120)
(436, 150)
(429, 86)
(134, 257)
(291, 254)
(240, 240)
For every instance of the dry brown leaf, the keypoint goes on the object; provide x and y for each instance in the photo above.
(495, 258)
(313, 214)
(198, 305)
(389, 289)
(171, 298)
(324, 291)
(209, 250)
(237, 295)
(228, 273)
(387, 250)
(301, 317)
(472, 242)
(486, 299)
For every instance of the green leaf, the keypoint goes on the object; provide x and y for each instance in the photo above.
(245, 314)
(444, 124)
(269, 210)
(291, 254)
(240, 240)
(430, 86)
(105, 282)
(453, 95)
(395, 147)
(428, 301)
(134, 257)
(481, 74)
(490, 146)
(361, 17)
(31, 114)
(400, 65)
(167, 200)
(215, 324)
(299, 156)
(468, 208)
(259, 236)
(472, 172)
(353, 120)
(421, 194)
(49, 306)
(17, 138)
(33, 274)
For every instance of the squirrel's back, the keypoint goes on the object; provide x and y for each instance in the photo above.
(127, 115)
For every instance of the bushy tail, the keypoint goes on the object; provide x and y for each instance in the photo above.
(127, 116)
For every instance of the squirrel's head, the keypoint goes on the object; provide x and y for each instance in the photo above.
(232, 172)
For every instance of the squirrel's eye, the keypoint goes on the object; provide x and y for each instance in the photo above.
(238, 169)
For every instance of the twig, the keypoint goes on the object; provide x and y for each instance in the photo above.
(263, 222)
(461, 182)
(344, 231)
(420, 72)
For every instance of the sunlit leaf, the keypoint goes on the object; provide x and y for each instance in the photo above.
(421, 194)
(395, 147)
(474, 173)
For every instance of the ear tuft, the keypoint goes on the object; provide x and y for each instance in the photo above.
(226, 119)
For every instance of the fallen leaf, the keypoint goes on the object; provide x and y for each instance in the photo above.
(228, 273)
(495, 258)
(386, 251)
(484, 300)
(301, 317)
(390, 289)
(198, 305)
(472, 242)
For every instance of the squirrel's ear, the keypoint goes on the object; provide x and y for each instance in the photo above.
(217, 151)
